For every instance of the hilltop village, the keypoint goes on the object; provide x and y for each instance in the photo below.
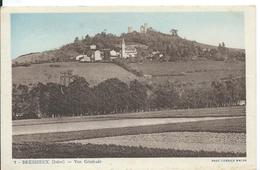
(125, 51)
(147, 44)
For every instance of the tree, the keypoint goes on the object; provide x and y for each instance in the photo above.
(112, 96)
(173, 32)
(16, 100)
(165, 97)
(242, 88)
(38, 102)
(219, 92)
(138, 96)
(56, 100)
(20, 101)
(80, 96)
(87, 39)
(76, 39)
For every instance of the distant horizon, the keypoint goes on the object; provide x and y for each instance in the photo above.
(38, 32)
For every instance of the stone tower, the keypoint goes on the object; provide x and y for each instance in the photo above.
(144, 28)
(130, 29)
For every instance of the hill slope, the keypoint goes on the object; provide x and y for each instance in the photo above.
(175, 47)
(94, 73)
(192, 73)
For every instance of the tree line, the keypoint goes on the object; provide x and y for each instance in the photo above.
(115, 96)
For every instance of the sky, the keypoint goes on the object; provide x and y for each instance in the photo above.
(36, 32)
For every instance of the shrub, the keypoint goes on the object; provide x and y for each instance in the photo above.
(54, 65)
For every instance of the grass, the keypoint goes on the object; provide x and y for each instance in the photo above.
(52, 150)
(237, 125)
(161, 68)
(93, 72)
(190, 72)
(194, 141)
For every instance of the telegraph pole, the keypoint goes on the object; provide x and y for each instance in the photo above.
(66, 77)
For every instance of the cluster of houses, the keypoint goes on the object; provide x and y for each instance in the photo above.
(126, 52)
(98, 55)
(94, 57)
(156, 55)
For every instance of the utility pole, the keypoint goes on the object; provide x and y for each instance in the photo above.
(66, 77)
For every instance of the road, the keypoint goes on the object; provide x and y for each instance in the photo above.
(52, 127)
(181, 113)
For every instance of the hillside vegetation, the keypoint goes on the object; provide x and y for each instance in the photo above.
(174, 48)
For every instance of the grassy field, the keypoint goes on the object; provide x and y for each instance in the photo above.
(40, 150)
(192, 72)
(50, 72)
(236, 125)
(194, 141)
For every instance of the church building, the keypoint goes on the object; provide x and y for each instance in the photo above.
(127, 51)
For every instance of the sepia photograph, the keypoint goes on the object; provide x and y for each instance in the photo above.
(115, 83)
(128, 85)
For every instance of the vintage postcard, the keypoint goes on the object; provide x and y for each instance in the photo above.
(116, 88)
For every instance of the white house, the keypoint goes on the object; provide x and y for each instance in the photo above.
(93, 47)
(113, 53)
(155, 52)
(79, 57)
(97, 56)
(85, 59)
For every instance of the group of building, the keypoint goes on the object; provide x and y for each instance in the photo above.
(127, 51)
(96, 55)
(143, 28)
